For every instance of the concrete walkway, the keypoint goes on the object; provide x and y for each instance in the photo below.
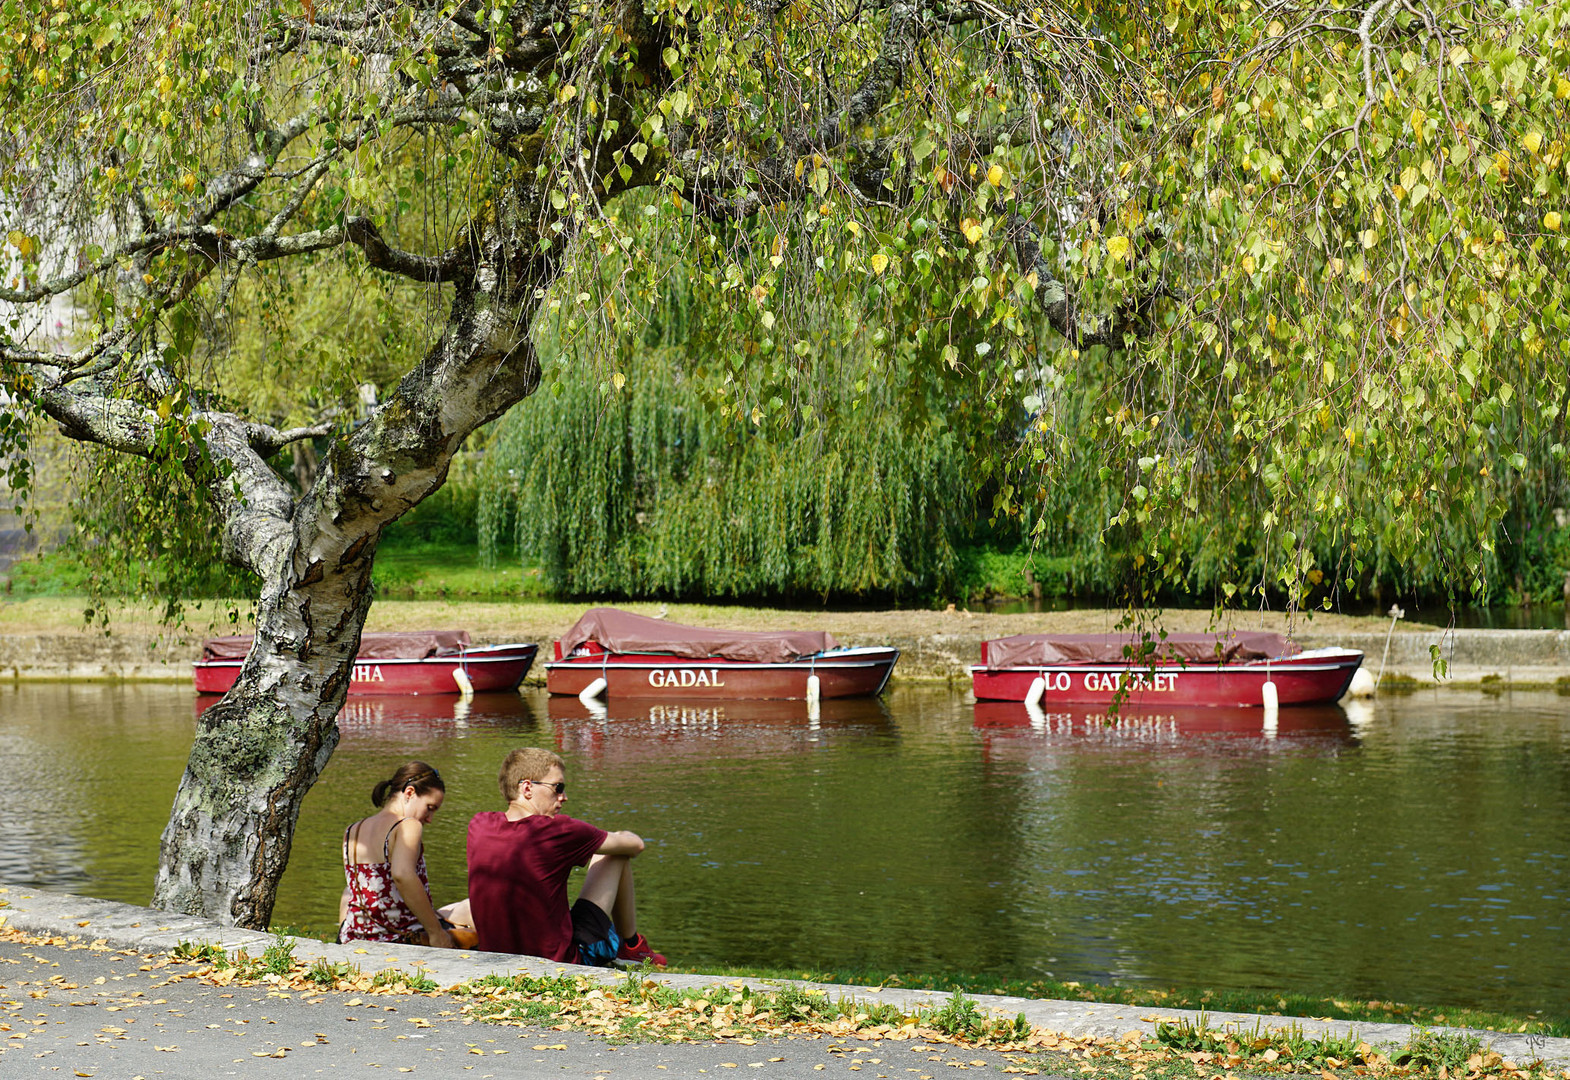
(75, 1010)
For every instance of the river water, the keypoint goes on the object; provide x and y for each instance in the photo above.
(1415, 850)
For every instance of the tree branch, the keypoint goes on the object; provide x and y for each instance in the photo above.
(1053, 297)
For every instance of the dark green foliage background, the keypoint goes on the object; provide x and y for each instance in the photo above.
(647, 492)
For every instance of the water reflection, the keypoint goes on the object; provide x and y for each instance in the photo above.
(625, 732)
(1172, 724)
(435, 712)
(1413, 849)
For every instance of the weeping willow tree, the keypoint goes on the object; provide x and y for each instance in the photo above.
(645, 487)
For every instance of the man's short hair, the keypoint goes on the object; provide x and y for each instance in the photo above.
(526, 763)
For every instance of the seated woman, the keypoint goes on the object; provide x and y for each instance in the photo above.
(388, 897)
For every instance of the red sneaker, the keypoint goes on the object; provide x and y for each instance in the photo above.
(637, 951)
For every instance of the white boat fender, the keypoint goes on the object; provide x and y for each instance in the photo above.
(465, 687)
(592, 691)
(1271, 701)
(814, 690)
(1037, 690)
(1363, 684)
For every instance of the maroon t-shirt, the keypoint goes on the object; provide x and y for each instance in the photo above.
(518, 881)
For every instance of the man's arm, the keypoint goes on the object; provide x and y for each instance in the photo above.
(621, 843)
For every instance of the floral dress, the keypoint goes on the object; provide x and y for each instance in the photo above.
(376, 910)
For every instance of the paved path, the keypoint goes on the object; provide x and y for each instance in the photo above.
(117, 1015)
(124, 1010)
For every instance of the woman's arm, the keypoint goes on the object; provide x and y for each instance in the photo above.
(405, 854)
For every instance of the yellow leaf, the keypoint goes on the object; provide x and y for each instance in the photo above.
(1532, 140)
(880, 261)
(21, 241)
(1368, 237)
(1118, 247)
(1551, 221)
(1248, 264)
(995, 176)
(1562, 88)
(1418, 118)
(972, 230)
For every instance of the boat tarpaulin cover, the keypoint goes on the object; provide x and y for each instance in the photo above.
(381, 645)
(623, 632)
(1024, 650)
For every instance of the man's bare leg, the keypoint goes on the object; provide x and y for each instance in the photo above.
(608, 883)
(457, 913)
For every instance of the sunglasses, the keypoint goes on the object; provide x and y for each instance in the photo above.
(560, 786)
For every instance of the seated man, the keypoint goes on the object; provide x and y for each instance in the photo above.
(519, 860)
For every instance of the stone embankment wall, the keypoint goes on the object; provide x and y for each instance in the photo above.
(1522, 658)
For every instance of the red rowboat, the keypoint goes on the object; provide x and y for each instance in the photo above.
(635, 656)
(404, 662)
(1181, 669)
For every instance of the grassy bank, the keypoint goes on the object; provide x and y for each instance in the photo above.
(1553, 1022)
(416, 567)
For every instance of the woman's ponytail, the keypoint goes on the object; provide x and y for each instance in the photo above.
(415, 774)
